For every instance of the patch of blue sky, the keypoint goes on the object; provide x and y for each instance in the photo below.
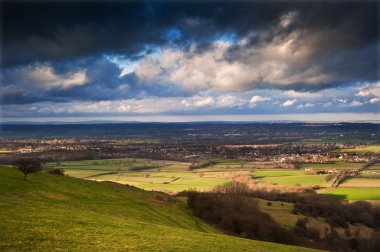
(229, 37)
(127, 65)
(172, 35)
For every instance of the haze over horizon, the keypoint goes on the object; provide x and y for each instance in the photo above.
(190, 61)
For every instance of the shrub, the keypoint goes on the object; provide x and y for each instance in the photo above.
(329, 177)
(55, 171)
(231, 208)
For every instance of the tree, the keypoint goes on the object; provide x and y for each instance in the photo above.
(28, 165)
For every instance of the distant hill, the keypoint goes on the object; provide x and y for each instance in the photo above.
(59, 213)
(196, 132)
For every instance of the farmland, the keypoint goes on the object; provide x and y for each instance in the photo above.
(335, 165)
(301, 180)
(370, 148)
(361, 182)
(101, 200)
(161, 175)
(174, 176)
(357, 193)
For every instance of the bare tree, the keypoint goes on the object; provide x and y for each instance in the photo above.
(28, 165)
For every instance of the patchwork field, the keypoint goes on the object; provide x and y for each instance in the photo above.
(173, 176)
(161, 175)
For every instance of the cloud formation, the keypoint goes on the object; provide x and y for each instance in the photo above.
(189, 57)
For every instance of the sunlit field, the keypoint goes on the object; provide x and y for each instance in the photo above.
(370, 148)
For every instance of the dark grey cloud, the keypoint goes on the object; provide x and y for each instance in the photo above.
(57, 30)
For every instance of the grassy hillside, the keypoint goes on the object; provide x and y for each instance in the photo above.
(55, 213)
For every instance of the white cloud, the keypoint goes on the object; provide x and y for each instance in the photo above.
(200, 102)
(303, 95)
(363, 93)
(256, 99)
(306, 105)
(355, 104)
(45, 77)
(327, 104)
(289, 103)
(229, 101)
(284, 61)
(144, 105)
(369, 89)
(374, 100)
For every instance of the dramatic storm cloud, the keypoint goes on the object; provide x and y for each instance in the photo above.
(170, 58)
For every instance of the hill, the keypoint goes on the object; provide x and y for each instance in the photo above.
(55, 213)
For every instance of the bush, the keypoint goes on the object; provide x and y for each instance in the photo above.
(55, 171)
(200, 165)
(231, 209)
(329, 177)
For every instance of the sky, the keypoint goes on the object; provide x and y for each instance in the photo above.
(196, 60)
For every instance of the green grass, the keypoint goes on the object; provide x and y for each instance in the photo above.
(281, 212)
(370, 148)
(303, 180)
(361, 182)
(165, 181)
(78, 173)
(277, 173)
(353, 193)
(59, 213)
(336, 165)
(289, 177)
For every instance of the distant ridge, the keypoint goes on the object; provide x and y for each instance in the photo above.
(188, 122)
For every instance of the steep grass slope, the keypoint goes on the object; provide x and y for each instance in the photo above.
(57, 213)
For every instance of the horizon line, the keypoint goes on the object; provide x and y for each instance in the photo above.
(316, 117)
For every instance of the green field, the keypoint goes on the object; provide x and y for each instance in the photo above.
(361, 182)
(59, 213)
(172, 176)
(289, 177)
(370, 148)
(353, 193)
(166, 181)
(160, 175)
(336, 165)
(302, 180)
(277, 173)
